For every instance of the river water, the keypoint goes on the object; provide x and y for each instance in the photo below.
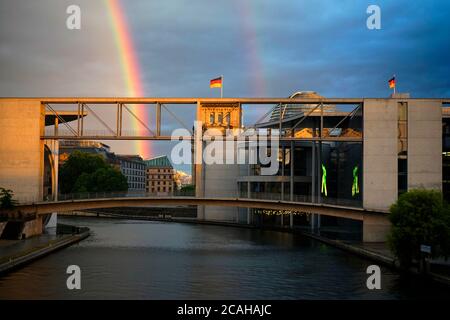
(125, 259)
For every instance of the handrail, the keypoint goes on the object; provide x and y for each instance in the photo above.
(191, 193)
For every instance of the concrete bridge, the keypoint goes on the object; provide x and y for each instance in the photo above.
(375, 223)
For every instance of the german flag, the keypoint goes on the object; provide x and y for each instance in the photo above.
(392, 83)
(216, 83)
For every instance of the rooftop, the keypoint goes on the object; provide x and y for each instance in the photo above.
(292, 110)
(159, 162)
(130, 157)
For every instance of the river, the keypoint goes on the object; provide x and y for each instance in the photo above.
(125, 259)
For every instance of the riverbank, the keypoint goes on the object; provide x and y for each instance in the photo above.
(16, 253)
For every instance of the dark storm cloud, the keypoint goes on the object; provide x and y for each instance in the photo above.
(302, 45)
(286, 45)
(270, 48)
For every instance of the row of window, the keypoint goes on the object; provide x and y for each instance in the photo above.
(140, 186)
(160, 183)
(135, 179)
(220, 118)
(158, 177)
(153, 170)
(160, 189)
(132, 165)
(133, 172)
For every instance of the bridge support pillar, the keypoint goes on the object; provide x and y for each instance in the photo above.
(32, 228)
(375, 228)
(198, 167)
(21, 149)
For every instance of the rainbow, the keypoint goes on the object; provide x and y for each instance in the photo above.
(252, 46)
(130, 70)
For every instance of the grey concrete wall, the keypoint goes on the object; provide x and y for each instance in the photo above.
(375, 228)
(424, 144)
(21, 150)
(221, 181)
(32, 228)
(380, 153)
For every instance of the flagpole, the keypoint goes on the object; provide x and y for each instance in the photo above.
(221, 87)
(395, 83)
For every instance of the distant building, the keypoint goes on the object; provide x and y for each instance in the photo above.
(160, 175)
(133, 167)
(66, 147)
(182, 179)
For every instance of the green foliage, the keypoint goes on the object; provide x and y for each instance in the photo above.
(188, 188)
(104, 179)
(6, 198)
(85, 172)
(419, 217)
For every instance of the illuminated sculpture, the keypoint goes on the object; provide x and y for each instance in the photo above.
(324, 181)
(355, 185)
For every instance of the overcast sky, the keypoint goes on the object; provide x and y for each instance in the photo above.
(263, 48)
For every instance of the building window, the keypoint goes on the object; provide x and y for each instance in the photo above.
(227, 119)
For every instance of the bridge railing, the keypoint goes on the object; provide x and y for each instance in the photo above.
(102, 195)
(125, 194)
(302, 199)
(191, 193)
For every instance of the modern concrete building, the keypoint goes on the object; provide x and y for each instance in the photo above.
(361, 154)
(133, 168)
(160, 176)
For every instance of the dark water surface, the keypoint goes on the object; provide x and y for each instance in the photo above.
(125, 259)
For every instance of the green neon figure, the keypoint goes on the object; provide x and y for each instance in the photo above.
(324, 181)
(355, 185)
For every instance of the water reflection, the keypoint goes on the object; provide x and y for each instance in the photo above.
(155, 260)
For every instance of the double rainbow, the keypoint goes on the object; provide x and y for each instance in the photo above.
(131, 70)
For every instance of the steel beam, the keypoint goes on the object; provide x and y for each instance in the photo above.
(158, 119)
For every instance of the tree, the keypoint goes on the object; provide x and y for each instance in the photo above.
(419, 217)
(6, 198)
(85, 172)
(188, 189)
(102, 180)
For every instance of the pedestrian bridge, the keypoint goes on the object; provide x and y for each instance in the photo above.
(375, 223)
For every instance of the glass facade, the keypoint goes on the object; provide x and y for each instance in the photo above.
(341, 173)
(324, 164)
(402, 184)
(322, 172)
